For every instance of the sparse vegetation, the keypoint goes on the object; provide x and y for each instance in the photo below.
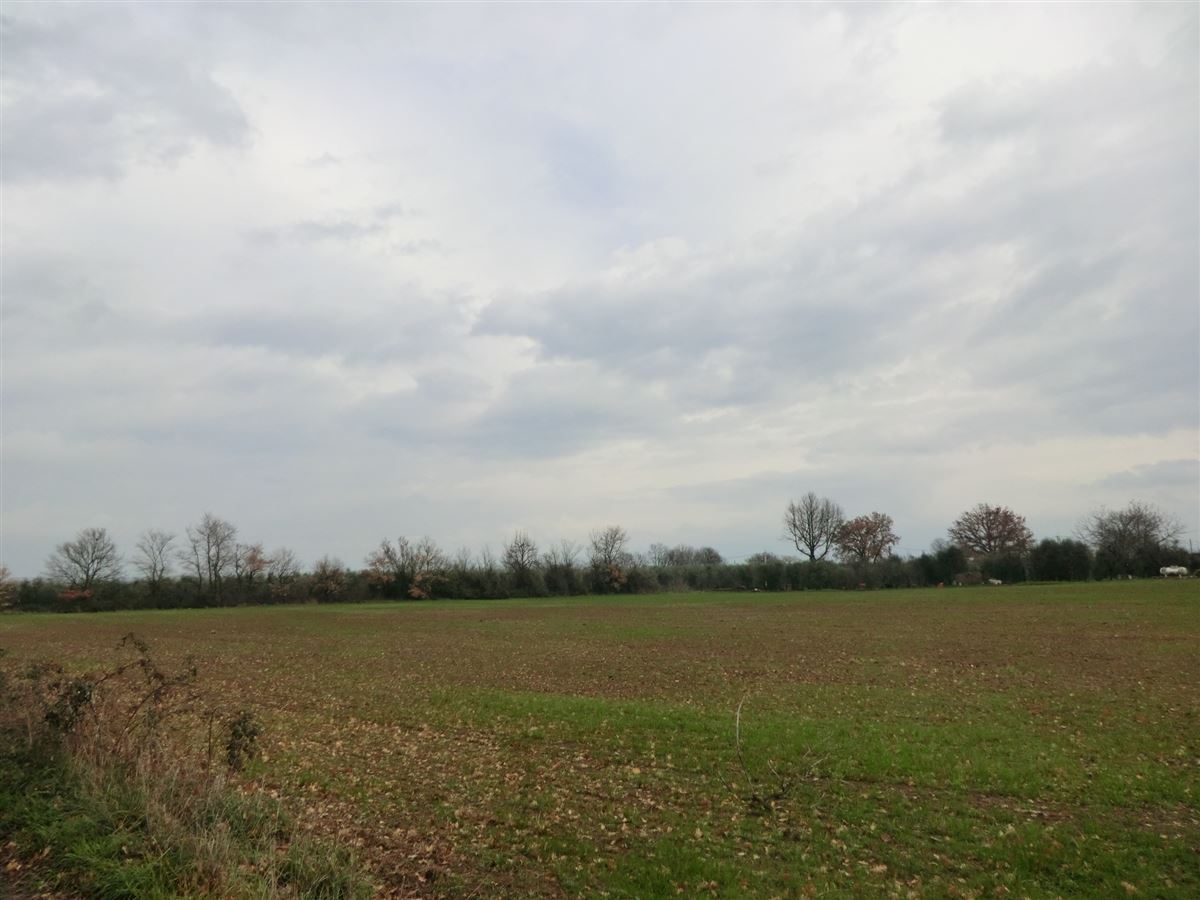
(108, 786)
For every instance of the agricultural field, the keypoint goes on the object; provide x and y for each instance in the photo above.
(1032, 741)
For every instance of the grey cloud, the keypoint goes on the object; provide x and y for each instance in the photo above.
(1079, 163)
(771, 329)
(1121, 366)
(1174, 474)
(543, 413)
(448, 386)
(396, 210)
(324, 160)
(1104, 221)
(50, 287)
(1106, 213)
(330, 230)
(1082, 231)
(340, 231)
(583, 168)
(419, 247)
(407, 325)
(230, 411)
(92, 90)
(367, 224)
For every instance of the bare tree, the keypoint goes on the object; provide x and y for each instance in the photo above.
(463, 561)
(686, 555)
(8, 588)
(282, 565)
(559, 565)
(79, 564)
(683, 555)
(210, 553)
(866, 539)
(764, 557)
(328, 579)
(565, 554)
(487, 560)
(608, 547)
(813, 525)
(1122, 537)
(283, 569)
(411, 567)
(153, 558)
(520, 555)
(991, 529)
(249, 562)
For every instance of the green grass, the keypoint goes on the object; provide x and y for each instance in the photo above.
(91, 833)
(1032, 741)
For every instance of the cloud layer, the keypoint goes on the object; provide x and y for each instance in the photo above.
(337, 273)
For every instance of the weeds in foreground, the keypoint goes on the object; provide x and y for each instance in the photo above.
(113, 778)
(766, 792)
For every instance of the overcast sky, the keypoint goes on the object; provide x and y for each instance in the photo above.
(342, 272)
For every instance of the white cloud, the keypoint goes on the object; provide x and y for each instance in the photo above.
(462, 269)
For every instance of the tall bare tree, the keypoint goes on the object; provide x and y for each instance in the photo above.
(988, 529)
(521, 555)
(210, 553)
(813, 524)
(609, 547)
(153, 557)
(80, 564)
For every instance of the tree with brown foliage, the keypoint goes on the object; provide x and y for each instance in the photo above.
(328, 580)
(988, 530)
(249, 561)
(866, 539)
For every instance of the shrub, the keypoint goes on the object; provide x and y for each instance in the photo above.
(242, 744)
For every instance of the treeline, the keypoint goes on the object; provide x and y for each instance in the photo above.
(210, 566)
